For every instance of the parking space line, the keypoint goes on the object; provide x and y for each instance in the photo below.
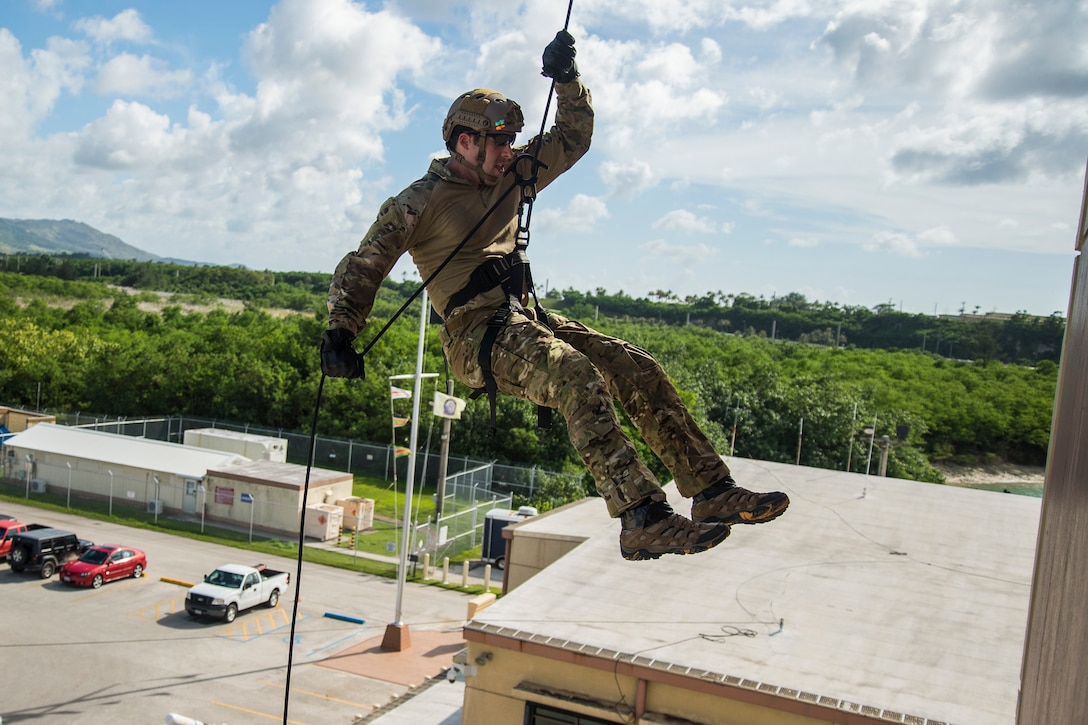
(156, 610)
(232, 632)
(319, 695)
(254, 712)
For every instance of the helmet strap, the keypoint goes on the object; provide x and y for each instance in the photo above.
(478, 167)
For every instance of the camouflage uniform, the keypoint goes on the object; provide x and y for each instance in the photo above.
(561, 364)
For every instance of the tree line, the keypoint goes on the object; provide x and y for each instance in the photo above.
(71, 339)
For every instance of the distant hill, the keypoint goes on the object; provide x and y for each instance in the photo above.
(64, 236)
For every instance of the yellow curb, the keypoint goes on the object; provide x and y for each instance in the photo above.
(179, 582)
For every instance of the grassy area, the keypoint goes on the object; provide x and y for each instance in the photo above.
(375, 542)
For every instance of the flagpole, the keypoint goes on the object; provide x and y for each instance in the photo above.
(397, 636)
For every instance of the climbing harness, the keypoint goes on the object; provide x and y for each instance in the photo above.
(512, 273)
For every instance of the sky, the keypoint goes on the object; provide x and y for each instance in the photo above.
(924, 154)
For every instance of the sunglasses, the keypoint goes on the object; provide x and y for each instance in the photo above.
(502, 139)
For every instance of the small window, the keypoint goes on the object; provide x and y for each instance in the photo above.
(537, 714)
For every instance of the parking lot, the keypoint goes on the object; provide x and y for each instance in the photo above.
(128, 652)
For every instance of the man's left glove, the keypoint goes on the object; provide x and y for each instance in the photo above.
(558, 58)
(338, 357)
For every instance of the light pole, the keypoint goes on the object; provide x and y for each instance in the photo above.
(203, 505)
(111, 490)
(853, 432)
(158, 501)
(68, 502)
(397, 637)
(29, 472)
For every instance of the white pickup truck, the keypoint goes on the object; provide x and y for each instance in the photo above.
(233, 588)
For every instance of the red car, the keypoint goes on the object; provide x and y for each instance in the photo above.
(101, 564)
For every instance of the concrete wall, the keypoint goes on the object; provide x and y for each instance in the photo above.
(275, 508)
(499, 689)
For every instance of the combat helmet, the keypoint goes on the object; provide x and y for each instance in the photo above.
(482, 111)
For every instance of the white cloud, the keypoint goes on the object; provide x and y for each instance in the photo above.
(627, 179)
(327, 73)
(907, 245)
(668, 258)
(682, 220)
(131, 75)
(31, 86)
(126, 25)
(582, 214)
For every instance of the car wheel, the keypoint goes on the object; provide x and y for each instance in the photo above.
(48, 569)
(97, 581)
(18, 555)
(274, 598)
(232, 612)
(137, 571)
(500, 563)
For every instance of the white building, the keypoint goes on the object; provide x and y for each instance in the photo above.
(167, 477)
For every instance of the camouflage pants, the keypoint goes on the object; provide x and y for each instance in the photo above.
(582, 373)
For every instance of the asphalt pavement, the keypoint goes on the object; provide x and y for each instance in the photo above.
(128, 652)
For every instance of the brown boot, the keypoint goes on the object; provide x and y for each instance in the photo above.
(728, 503)
(653, 528)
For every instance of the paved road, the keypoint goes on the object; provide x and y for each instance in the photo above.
(128, 653)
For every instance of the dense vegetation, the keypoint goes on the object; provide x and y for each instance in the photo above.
(71, 339)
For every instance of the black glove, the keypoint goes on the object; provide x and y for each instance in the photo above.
(558, 58)
(338, 357)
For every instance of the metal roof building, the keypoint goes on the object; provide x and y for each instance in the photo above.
(118, 450)
(167, 477)
(872, 600)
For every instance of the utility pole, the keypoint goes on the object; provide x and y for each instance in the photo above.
(800, 434)
(443, 459)
(853, 434)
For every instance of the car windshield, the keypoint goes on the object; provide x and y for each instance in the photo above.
(94, 556)
(225, 579)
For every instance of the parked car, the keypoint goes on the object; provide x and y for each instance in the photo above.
(45, 550)
(101, 564)
(9, 527)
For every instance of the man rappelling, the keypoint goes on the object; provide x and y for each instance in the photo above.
(463, 228)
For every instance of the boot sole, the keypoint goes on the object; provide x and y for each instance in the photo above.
(761, 515)
(649, 555)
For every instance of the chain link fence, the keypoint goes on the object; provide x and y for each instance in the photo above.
(337, 454)
(472, 487)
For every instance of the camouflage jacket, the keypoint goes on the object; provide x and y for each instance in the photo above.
(432, 216)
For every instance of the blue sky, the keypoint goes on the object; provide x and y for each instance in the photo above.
(928, 154)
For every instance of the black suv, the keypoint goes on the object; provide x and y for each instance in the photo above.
(45, 550)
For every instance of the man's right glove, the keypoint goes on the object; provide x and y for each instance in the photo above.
(558, 58)
(338, 357)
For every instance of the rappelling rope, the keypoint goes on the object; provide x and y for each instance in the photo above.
(527, 187)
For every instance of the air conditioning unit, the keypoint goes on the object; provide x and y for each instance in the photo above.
(154, 506)
(37, 485)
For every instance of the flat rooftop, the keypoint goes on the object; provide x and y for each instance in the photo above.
(889, 596)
